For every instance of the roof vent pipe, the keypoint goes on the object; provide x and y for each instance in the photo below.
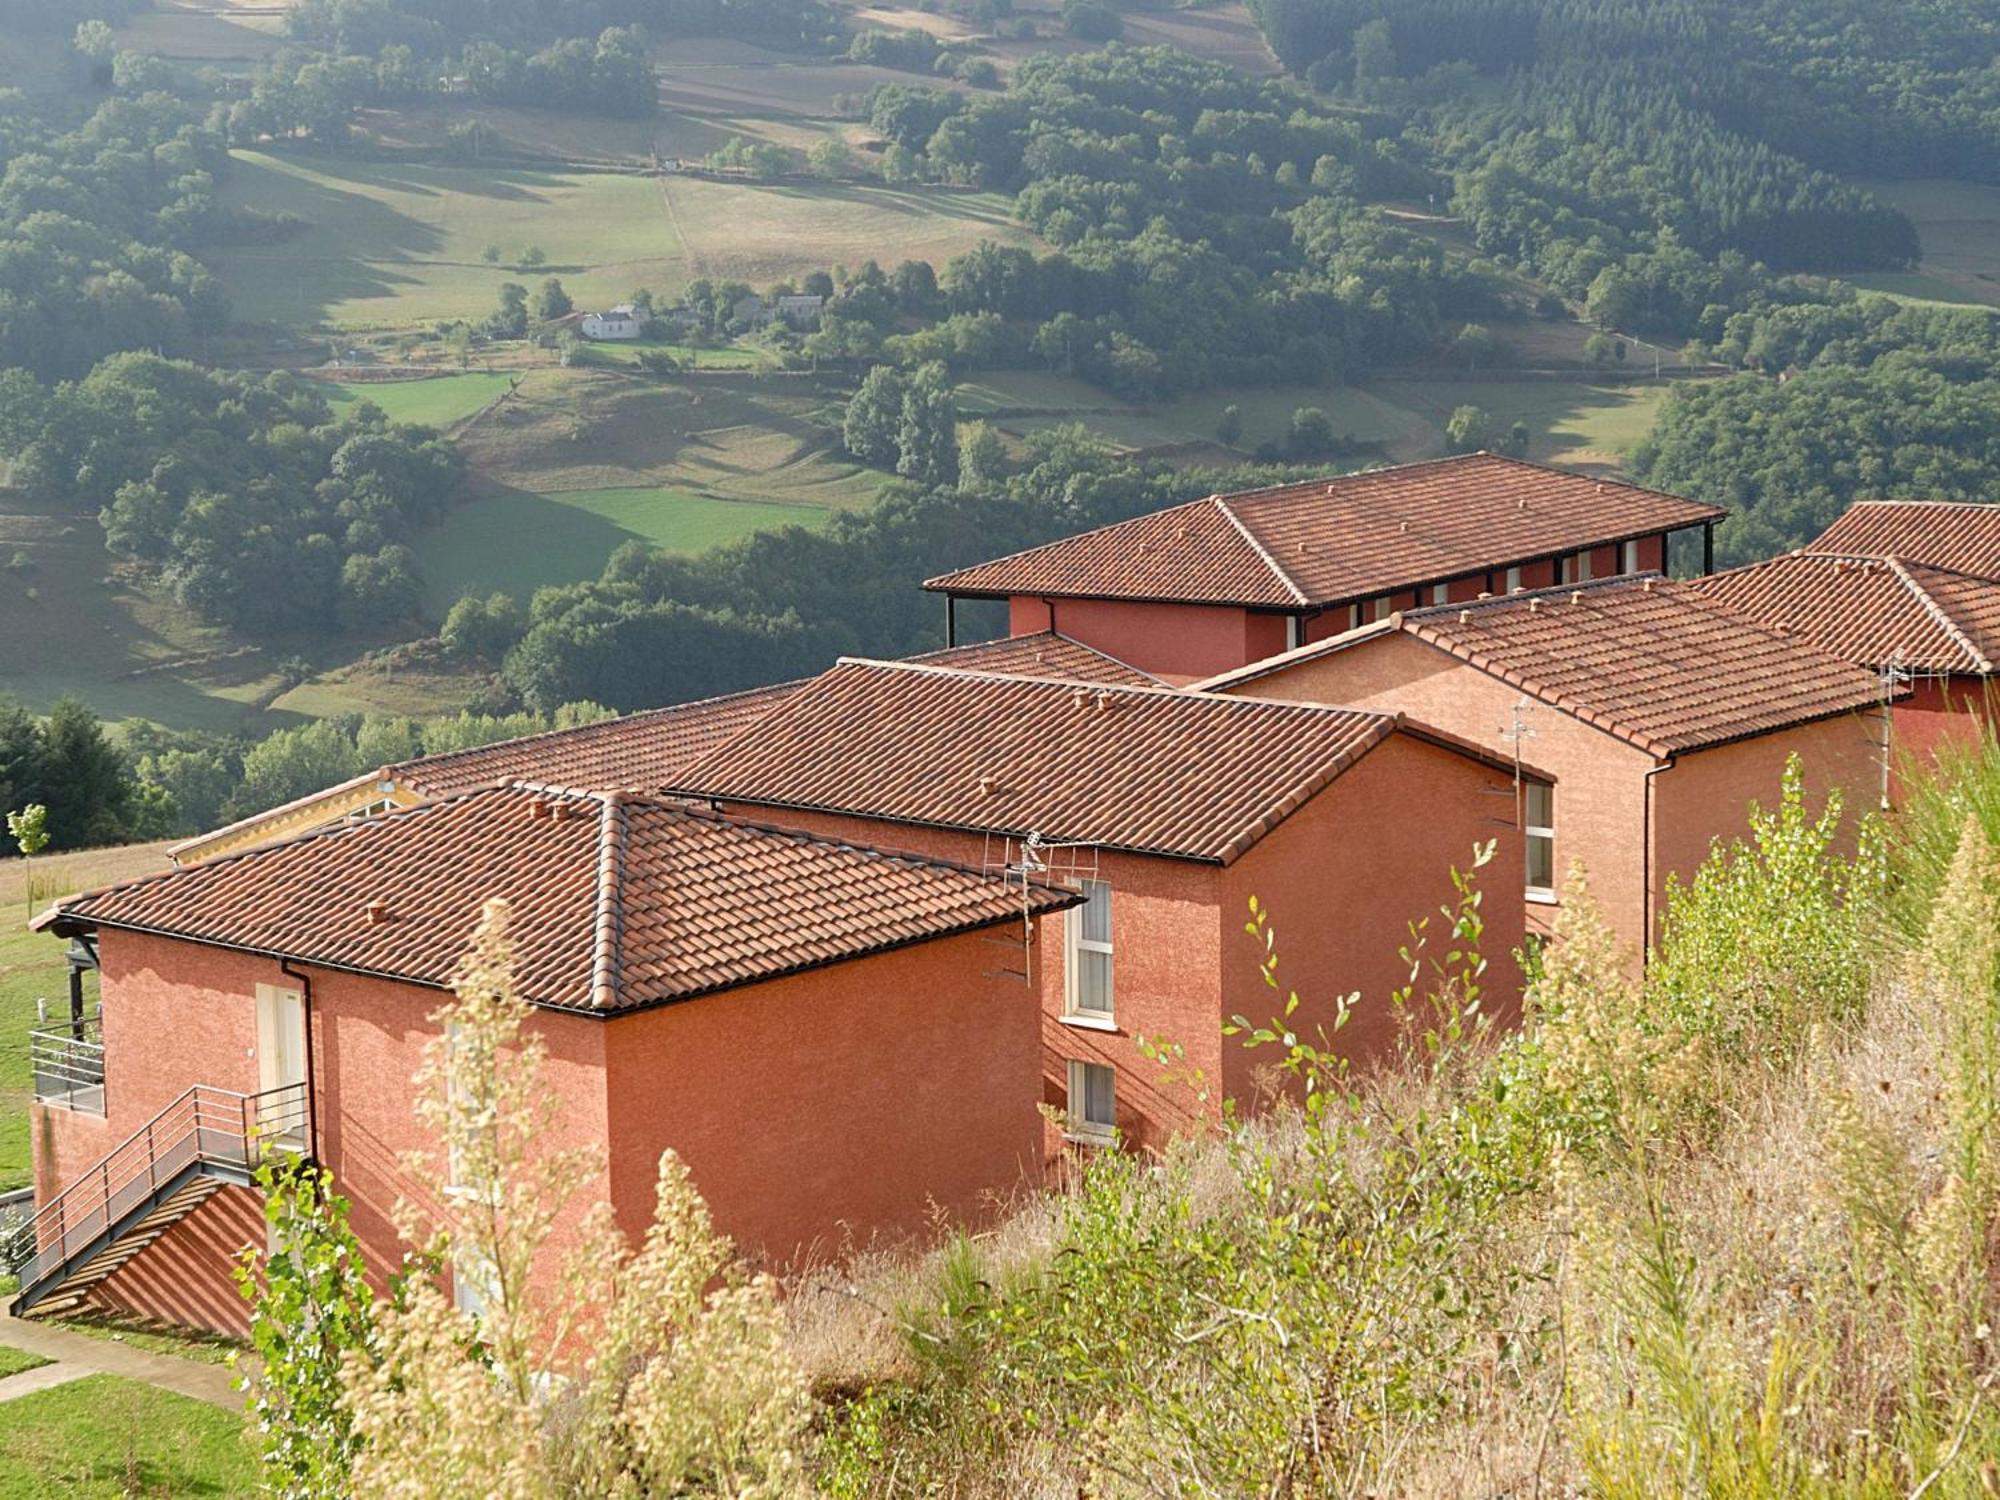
(378, 912)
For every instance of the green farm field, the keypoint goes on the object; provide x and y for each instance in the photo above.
(516, 541)
(441, 401)
(1958, 224)
(397, 244)
(1570, 422)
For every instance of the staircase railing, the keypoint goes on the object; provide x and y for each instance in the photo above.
(67, 1061)
(211, 1127)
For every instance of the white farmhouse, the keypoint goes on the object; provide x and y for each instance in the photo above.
(620, 322)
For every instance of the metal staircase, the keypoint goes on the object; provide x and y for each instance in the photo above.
(145, 1185)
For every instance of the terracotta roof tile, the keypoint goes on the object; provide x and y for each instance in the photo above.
(617, 901)
(1046, 654)
(1332, 540)
(1146, 769)
(1656, 663)
(1871, 610)
(635, 750)
(1962, 536)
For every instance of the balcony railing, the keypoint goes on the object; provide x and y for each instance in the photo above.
(67, 1061)
(206, 1130)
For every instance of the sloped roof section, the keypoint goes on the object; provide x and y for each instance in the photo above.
(1656, 663)
(635, 750)
(1045, 654)
(1330, 540)
(1962, 536)
(617, 901)
(1144, 769)
(1873, 611)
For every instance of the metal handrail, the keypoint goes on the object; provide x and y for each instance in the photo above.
(204, 1126)
(66, 1062)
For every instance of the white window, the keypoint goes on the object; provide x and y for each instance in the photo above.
(1513, 579)
(1439, 593)
(1093, 1102)
(1576, 568)
(1378, 609)
(1629, 560)
(1088, 969)
(1538, 823)
(1353, 616)
(474, 1287)
(1295, 632)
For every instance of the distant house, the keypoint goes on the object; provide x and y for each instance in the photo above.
(751, 311)
(1656, 714)
(820, 1031)
(621, 322)
(682, 317)
(1215, 584)
(801, 310)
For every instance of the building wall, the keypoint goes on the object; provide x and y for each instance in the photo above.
(1343, 876)
(1166, 937)
(1178, 642)
(1707, 794)
(1600, 780)
(178, 1014)
(1939, 711)
(819, 1111)
(1342, 880)
(1600, 793)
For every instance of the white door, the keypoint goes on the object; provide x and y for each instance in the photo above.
(281, 1061)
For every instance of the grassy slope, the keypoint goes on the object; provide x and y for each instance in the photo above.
(398, 244)
(104, 1435)
(518, 541)
(437, 402)
(1959, 225)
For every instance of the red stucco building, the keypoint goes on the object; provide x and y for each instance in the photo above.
(1215, 584)
(820, 1030)
(1170, 810)
(1655, 715)
(1909, 590)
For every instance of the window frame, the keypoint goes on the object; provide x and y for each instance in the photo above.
(1576, 567)
(1076, 944)
(1532, 833)
(1628, 556)
(1440, 593)
(1078, 1127)
(1512, 582)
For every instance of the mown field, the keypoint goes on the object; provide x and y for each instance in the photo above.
(390, 245)
(440, 401)
(1578, 423)
(1959, 226)
(517, 541)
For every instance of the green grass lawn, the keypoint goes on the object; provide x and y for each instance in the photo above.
(14, 1361)
(437, 402)
(691, 356)
(392, 244)
(1958, 225)
(1567, 421)
(107, 1436)
(516, 540)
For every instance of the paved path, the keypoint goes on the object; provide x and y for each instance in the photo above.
(76, 1355)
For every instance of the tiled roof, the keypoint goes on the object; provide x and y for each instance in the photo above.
(1961, 535)
(1045, 654)
(1329, 540)
(618, 902)
(636, 750)
(1146, 769)
(1871, 610)
(1654, 662)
